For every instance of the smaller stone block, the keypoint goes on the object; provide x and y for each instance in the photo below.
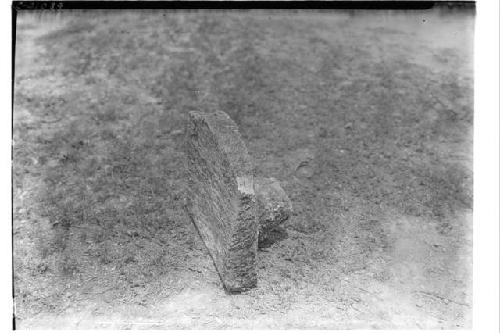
(273, 206)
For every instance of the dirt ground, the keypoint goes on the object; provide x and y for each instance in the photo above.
(365, 118)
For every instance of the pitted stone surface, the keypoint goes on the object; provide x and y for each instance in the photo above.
(221, 198)
(273, 205)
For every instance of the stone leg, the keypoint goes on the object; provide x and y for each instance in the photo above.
(273, 208)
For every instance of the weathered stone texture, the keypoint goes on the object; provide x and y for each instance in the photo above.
(273, 206)
(221, 199)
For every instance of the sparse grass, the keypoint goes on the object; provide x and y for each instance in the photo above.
(99, 173)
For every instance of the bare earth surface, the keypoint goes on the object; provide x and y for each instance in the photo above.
(365, 119)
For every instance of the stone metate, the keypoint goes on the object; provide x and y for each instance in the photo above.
(220, 197)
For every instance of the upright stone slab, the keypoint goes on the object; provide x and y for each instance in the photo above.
(221, 199)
